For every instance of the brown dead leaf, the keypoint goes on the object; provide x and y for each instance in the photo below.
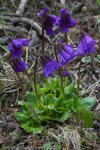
(64, 146)
(38, 143)
(1, 87)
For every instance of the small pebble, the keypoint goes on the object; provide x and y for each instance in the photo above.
(84, 9)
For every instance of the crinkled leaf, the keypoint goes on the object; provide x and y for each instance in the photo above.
(59, 101)
(45, 118)
(49, 99)
(69, 104)
(32, 127)
(87, 102)
(85, 115)
(70, 88)
(56, 92)
(31, 98)
(22, 118)
(64, 116)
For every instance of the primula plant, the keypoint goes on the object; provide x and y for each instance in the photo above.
(58, 98)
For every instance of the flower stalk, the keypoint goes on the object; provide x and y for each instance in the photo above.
(60, 74)
(32, 84)
(66, 37)
(42, 38)
(79, 78)
(35, 88)
(20, 85)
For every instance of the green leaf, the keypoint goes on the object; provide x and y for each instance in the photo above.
(31, 98)
(70, 87)
(98, 21)
(45, 118)
(2, 59)
(87, 102)
(30, 126)
(64, 116)
(59, 101)
(16, 135)
(22, 118)
(20, 103)
(98, 57)
(85, 115)
(69, 104)
(56, 92)
(2, 21)
(86, 59)
(55, 84)
(11, 34)
(11, 5)
(50, 99)
(5, 48)
(75, 9)
(98, 1)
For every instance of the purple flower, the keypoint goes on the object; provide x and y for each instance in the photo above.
(48, 65)
(86, 45)
(18, 65)
(66, 52)
(15, 45)
(65, 21)
(65, 73)
(47, 20)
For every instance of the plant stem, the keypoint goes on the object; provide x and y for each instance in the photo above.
(42, 38)
(22, 91)
(66, 38)
(61, 80)
(32, 84)
(20, 85)
(79, 78)
(35, 88)
(60, 74)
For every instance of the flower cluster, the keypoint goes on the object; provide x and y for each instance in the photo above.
(65, 52)
(86, 45)
(47, 20)
(48, 65)
(15, 48)
(18, 65)
(15, 45)
(65, 21)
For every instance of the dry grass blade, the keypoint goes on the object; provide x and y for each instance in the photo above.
(66, 138)
(71, 137)
(75, 139)
(51, 133)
